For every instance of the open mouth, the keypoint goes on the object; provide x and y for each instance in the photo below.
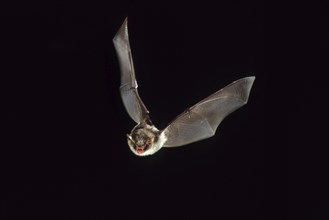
(140, 149)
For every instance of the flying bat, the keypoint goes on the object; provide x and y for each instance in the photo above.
(196, 123)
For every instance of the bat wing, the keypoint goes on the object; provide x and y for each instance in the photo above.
(201, 120)
(128, 88)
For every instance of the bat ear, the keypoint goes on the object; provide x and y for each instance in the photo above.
(129, 137)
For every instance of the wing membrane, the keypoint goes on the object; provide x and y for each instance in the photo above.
(128, 88)
(201, 120)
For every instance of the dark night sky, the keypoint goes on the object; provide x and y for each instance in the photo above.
(65, 153)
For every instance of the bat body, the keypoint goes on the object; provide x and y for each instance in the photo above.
(196, 123)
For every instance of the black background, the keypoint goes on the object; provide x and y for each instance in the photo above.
(65, 154)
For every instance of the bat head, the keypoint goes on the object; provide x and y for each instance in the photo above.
(143, 140)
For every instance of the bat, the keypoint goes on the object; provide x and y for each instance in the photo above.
(194, 124)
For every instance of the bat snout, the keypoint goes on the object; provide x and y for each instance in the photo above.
(140, 149)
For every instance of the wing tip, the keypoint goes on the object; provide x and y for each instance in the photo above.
(244, 87)
(249, 81)
(251, 78)
(122, 32)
